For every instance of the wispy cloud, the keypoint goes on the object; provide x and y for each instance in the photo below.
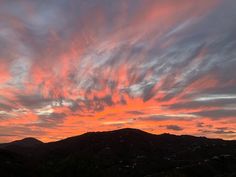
(66, 64)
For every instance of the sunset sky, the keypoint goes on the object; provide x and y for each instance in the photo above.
(73, 66)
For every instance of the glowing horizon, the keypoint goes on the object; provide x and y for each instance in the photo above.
(163, 66)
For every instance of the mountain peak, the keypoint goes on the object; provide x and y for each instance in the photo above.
(29, 140)
(128, 130)
(131, 152)
(26, 142)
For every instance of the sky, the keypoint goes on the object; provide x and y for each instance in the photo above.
(73, 66)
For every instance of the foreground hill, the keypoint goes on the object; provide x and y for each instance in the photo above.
(120, 153)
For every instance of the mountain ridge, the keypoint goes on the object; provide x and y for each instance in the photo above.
(134, 130)
(121, 153)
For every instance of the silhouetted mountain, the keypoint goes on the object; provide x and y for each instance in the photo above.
(26, 142)
(121, 153)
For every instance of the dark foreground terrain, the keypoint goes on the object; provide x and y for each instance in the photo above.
(120, 153)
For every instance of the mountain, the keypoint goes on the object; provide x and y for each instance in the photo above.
(26, 142)
(120, 153)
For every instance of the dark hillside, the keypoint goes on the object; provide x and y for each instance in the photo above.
(120, 153)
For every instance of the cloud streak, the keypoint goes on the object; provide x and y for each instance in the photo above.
(64, 65)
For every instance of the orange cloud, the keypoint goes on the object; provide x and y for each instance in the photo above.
(77, 67)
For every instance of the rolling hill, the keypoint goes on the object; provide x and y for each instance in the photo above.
(120, 153)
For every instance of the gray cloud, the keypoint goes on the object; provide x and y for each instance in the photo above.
(217, 114)
(6, 135)
(221, 130)
(50, 120)
(89, 55)
(185, 117)
(34, 101)
(6, 107)
(135, 112)
(174, 127)
(204, 104)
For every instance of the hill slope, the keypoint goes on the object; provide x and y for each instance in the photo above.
(121, 153)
